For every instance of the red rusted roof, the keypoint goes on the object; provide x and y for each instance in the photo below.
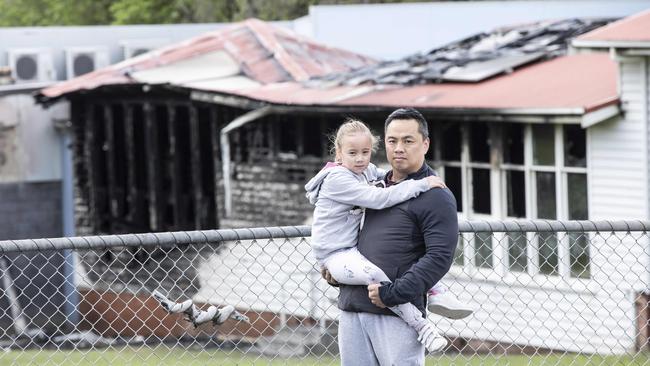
(635, 28)
(264, 52)
(582, 82)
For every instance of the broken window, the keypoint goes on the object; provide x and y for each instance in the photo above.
(454, 182)
(481, 191)
(575, 150)
(513, 143)
(479, 143)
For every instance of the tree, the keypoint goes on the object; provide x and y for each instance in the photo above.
(54, 12)
(102, 12)
(172, 11)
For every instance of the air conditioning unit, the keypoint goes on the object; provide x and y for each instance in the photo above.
(79, 61)
(136, 47)
(31, 65)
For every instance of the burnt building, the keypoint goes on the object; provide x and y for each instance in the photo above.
(147, 155)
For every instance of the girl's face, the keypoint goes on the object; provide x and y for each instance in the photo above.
(355, 151)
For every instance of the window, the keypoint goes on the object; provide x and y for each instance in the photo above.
(483, 250)
(512, 137)
(517, 170)
(543, 145)
(481, 191)
(517, 257)
(451, 145)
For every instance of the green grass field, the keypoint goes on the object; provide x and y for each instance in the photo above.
(173, 356)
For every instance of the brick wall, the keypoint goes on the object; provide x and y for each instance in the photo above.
(271, 194)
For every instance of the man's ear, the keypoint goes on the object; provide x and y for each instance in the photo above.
(426, 144)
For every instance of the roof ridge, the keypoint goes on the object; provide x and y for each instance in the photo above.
(264, 34)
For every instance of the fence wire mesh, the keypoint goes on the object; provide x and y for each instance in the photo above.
(543, 293)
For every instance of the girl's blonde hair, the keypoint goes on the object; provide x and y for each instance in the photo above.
(349, 127)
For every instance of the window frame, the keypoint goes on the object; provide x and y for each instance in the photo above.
(498, 190)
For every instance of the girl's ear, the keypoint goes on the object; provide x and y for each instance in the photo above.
(337, 157)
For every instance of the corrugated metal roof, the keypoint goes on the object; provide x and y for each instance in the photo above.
(475, 58)
(580, 83)
(635, 28)
(256, 50)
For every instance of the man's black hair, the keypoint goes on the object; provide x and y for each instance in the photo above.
(409, 113)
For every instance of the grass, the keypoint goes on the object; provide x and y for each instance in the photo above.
(162, 355)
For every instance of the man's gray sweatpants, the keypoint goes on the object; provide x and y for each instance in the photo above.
(378, 340)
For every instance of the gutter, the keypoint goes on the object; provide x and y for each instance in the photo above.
(586, 43)
(516, 115)
(225, 149)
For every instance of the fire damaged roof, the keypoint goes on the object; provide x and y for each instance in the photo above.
(633, 31)
(475, 58)
(574, 84)
(246, 54)
(519, 71)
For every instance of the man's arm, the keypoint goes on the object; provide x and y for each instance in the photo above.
(436, 215)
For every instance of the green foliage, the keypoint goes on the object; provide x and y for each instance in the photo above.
(103, 12)
(54, 12)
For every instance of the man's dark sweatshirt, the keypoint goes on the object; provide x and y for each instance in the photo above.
(412, 242)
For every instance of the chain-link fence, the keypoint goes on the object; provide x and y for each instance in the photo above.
(543, 293)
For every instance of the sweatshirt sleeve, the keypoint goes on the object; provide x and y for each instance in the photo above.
(375, 172)
(341, 186)
(438, 221)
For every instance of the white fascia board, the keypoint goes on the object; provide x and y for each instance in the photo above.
(599, 115)
(580, 43)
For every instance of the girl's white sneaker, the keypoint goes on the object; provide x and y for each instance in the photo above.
(431, 339)
(447, 305)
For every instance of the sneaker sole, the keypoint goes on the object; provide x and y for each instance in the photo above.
(450, 313)
(438, 345)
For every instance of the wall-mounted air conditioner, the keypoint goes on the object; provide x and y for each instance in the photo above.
(31, 65)
(79, 61)
(136, 47)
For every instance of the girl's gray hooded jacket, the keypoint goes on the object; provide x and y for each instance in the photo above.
(340, 196)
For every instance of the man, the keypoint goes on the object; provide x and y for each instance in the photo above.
(413, 243)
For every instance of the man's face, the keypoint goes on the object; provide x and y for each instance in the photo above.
(405, 147)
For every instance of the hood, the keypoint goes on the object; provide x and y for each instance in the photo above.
(313, 186)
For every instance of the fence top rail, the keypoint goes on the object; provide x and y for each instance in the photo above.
(216, 236)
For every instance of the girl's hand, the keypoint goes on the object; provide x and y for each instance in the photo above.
(435, 182)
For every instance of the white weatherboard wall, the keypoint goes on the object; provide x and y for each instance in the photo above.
(618, 189)
(532, 315)
(618, 154)
(618, 181)
(279, 276)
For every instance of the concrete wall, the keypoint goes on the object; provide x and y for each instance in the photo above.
(30, 210)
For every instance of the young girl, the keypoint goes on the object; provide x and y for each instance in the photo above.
(340, 192)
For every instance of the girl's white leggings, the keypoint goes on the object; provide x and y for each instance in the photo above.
(350, 267)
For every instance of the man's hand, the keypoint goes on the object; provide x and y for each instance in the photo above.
(373, 294)
(328, 277)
